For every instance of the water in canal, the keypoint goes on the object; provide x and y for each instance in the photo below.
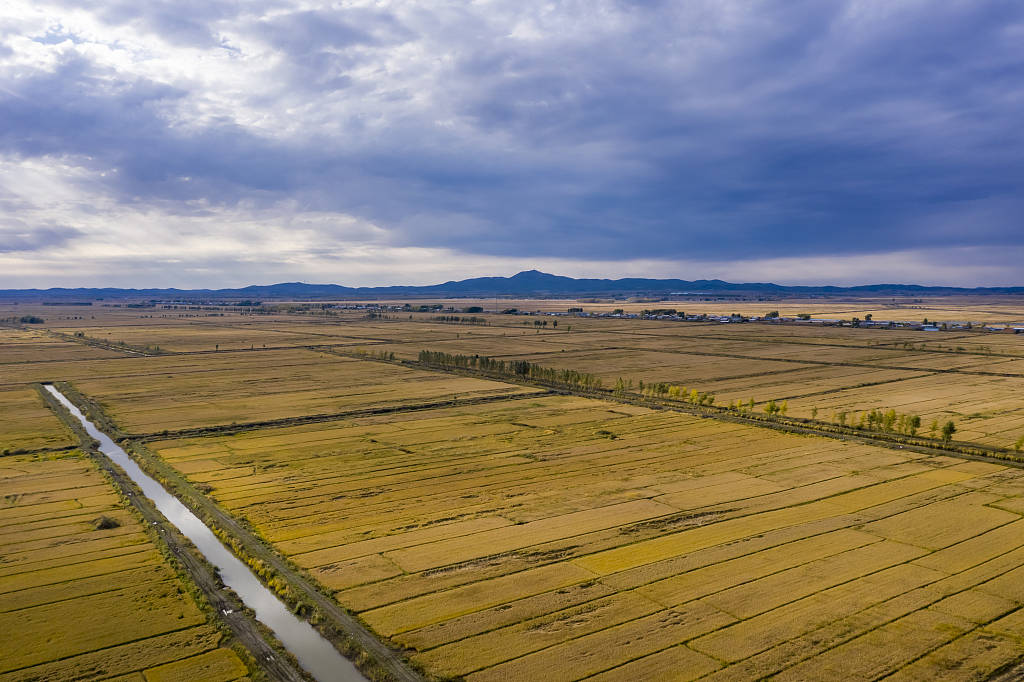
(314, 653)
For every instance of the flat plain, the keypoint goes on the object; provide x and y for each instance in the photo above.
(568, 537)
(186, 392)
(494, 529)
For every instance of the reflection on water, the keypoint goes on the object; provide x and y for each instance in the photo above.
(313, 652)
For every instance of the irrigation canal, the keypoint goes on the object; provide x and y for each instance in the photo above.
(313, 652)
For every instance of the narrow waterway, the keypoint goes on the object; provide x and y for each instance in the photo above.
(314, 653)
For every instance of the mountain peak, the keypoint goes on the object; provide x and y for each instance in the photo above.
(535, 276)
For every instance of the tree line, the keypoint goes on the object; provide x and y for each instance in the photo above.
(675, 392)
(456, 319)
(891, 421)
(516, 368)
(884, 421)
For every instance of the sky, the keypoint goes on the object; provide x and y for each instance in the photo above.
(216, 143)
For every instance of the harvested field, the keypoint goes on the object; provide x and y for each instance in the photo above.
(87, 599)
(28, 424)
(197, 336)
(153, 394)
(831, 369)
(21, 346)
(653, 366)
(986, 410)
(547, 536)
(565, 537)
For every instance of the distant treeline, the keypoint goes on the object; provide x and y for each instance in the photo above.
(664, 390)
(375, 355)
(521, 368)
(455, 319)
(24, 319)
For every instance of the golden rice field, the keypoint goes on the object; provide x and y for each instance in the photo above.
(81, 602)
(145, 395)
(544, 536)
(28, 424)
(565, 538)
(18, 346)
(196, 336)
(988, 309)
(986, 409)
(976, 380)
(260, 333)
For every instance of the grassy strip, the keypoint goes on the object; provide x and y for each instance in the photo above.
(86, 442)
(91, 409)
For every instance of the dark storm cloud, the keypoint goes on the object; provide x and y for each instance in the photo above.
(674, 130)
(801, 137)
(18, 237)
(77, 110)
(124, 127)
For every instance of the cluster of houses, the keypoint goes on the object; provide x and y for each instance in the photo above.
(919, 326)
(675, 316)
(776, 319)
(803, 320)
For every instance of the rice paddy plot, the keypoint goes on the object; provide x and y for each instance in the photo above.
(242, 387)
(197, 336)
(93, 599)
(564, 537)
(30, 346)
(28, 424)
(986, 410)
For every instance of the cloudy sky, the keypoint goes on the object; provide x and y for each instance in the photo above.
(199, 143)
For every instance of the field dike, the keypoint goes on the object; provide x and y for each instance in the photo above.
(37, 451)
(238, 427)
(125, 348)
(374, 658)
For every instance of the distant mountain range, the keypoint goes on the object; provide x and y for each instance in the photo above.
(527, 283)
